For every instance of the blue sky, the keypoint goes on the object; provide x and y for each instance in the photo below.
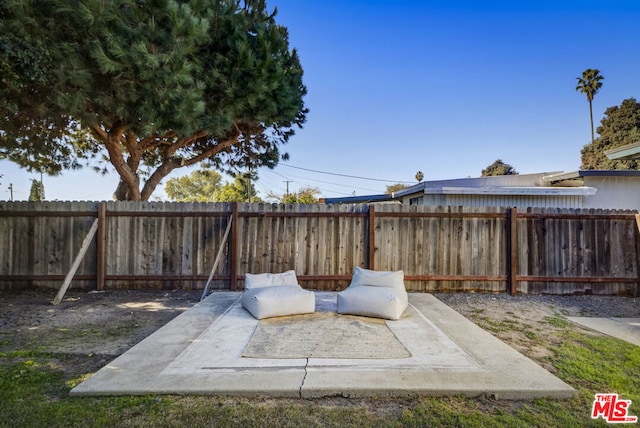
(444, 87)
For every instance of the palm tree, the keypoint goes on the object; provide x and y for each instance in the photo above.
(589, 84)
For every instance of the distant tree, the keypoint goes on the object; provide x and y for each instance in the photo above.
(238, 191)
(146, 86)
(419, 176)
(589, 84)
(306, 195)
(37, 190)
(395, 187)
(498, 168)
(619, 127)
(199, 186)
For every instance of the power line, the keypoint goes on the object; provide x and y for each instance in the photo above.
(349, 176)
(307, 180)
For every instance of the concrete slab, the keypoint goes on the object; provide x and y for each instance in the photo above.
(627, 329)
(200, 352)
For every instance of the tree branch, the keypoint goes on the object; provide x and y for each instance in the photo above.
(172, 163)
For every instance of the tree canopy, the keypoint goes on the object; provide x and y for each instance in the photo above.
(498, 167)
(305, 195)
(201, 185)
(619, 127)
(394, 188)
(146, 86)
(36, 193)
(240, 190)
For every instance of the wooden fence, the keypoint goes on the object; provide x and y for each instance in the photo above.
(440, 249)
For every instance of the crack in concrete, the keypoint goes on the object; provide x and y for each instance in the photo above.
(303, 378)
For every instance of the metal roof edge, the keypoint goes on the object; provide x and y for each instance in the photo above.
(628, 151)
(358, 199)
(575, 175)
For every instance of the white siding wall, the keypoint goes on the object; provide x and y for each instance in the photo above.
(502, 201)
(614, 192)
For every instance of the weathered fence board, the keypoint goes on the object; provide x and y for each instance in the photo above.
(174, 245)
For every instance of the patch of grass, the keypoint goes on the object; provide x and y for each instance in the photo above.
(589, 364)
(600, 364)
(36, 394)
(559, 322)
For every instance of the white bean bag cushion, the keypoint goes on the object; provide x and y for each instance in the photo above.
(374, 294)
(276, 294)
(392, 279)
(252, 280)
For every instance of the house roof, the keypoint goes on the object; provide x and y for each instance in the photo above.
(577, 175)
(627, 152)
(515, 185)
(364, 199)
(540, 184)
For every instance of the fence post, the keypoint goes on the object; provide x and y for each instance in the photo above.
(512, 251)
(233, 244)
(101, 245)
(372, 237)
(637, 217)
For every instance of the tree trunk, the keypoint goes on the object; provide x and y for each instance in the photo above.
(591, 117)
(161, 172)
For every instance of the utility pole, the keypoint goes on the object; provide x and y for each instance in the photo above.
(287, 183)
(11, 190)
(249, 185)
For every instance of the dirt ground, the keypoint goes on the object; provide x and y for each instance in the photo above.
(89, 329)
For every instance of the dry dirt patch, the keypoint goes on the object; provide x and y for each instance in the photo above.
(87, 329)
(533, 324)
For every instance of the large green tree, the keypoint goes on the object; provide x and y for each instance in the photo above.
(498, 167)
(145, 86)
(589, 84)
(619, 127)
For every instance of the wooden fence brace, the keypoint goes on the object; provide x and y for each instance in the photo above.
(218, 256)
(101, 246)
(76, 262)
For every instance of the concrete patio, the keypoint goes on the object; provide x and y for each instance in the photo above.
(201, 352)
